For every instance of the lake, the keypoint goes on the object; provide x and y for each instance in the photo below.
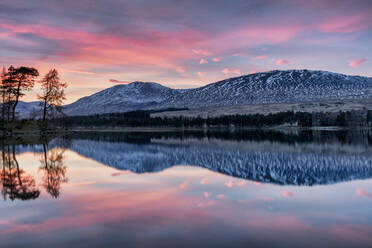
(188, 189)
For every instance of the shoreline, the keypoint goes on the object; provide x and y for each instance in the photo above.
(180, 129)
(29, 133)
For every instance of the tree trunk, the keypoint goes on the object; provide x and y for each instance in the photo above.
(44, 110)
(3, 109)
(44, 114)
(16, 100)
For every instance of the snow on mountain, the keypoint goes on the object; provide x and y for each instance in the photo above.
(25, 110)
(275, 87)
(121, 98)
(267, 87)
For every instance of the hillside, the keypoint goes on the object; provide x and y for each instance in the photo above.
(284, 87)
(121, 98)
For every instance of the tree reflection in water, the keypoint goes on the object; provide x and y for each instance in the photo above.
(16, 184)
(54, 169)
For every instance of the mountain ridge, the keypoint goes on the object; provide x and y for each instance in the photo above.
(288, 86)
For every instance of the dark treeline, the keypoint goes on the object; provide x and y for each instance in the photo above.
(15, 82)
(354, 137)
(290, 118)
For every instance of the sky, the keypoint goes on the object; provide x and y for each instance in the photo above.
(97, 44)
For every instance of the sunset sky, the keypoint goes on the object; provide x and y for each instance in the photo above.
(96, 44)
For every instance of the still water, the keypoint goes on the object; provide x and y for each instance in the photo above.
(194, 189)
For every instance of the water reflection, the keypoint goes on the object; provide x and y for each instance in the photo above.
(299, 158)
(304, 158)
(16, 183)
(242, 160)
(174, 189)
(54, 169)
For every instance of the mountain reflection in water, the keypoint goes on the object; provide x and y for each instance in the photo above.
(300, 158)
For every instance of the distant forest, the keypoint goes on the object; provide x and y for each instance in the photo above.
(290, 118)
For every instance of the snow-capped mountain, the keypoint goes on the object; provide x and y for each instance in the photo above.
(121, 98)
(275, 87)
(266, 87)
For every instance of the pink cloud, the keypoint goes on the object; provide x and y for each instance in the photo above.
(220, 196)
(204, 181)
(352, 232)
(282, 61)
(118, 81)
(82, 72)
(228, 71)
(272, 33)
(345, 24)
(82, 184)
(216, 59)
(203, 61)
(237, 71)
(263, 56)
(120, 173)
(229, 184)
(357, 62)
(181, 69)
(107, 49)
(184, 185)
(201, 52)
(264, 198)
(241, 183)
(287, 194)
(209, 203)
(207, 194)
(282, 222)
(363, 193)
(201, 73)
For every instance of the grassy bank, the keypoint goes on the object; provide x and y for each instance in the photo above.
(29, 128)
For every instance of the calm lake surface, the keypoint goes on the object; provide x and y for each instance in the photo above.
(194, 189)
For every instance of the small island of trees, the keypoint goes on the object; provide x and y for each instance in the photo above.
(14, 83)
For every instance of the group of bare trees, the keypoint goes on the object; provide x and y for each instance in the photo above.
(15, 81)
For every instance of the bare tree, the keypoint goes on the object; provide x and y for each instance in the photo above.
(52, 96)
(7, 90)
(20, 79)
(3, 92)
